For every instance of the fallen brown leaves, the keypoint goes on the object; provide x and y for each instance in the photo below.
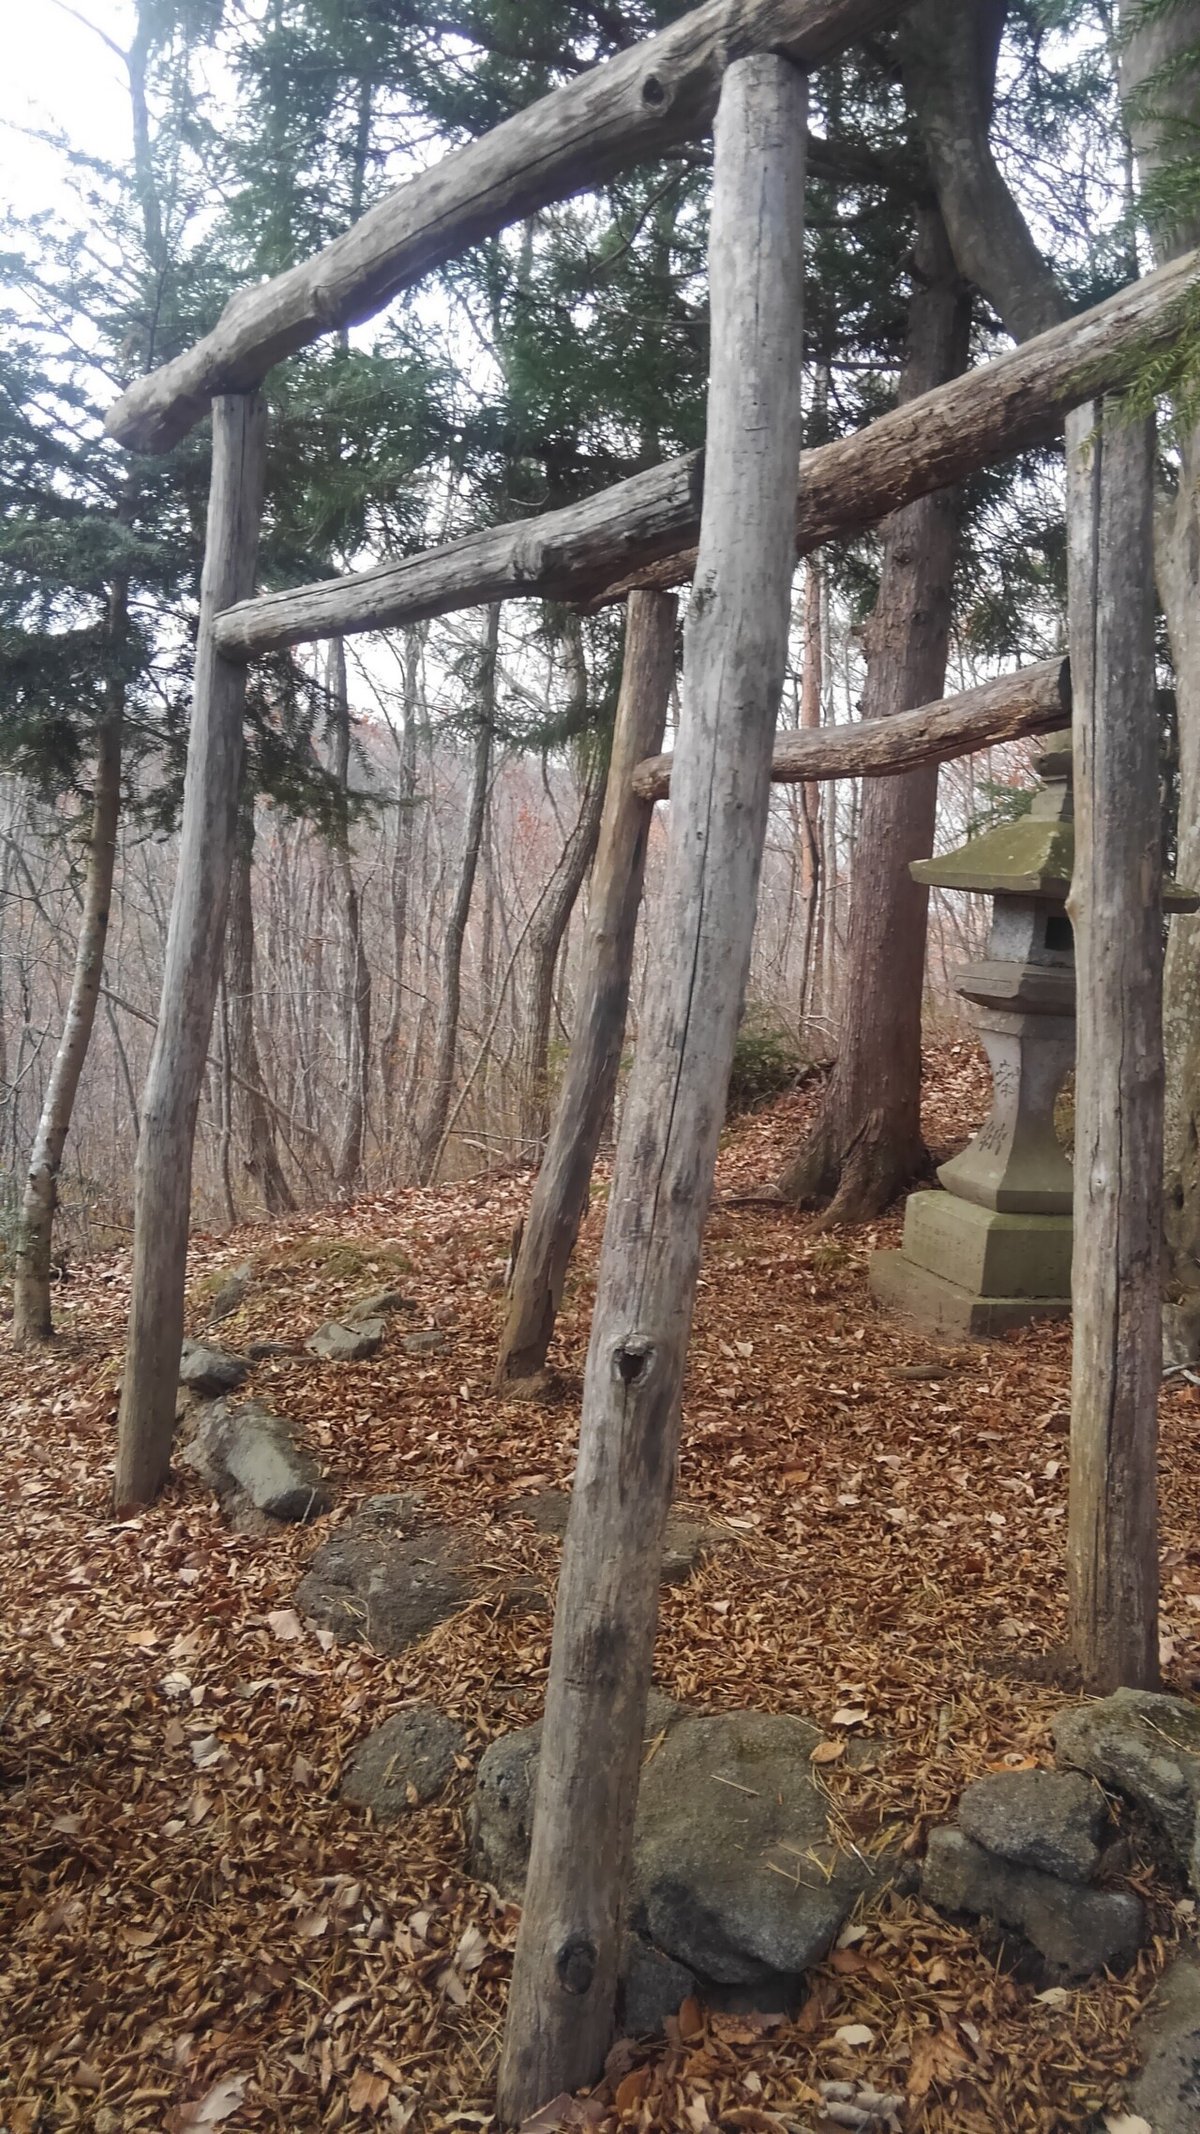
(198, 1935)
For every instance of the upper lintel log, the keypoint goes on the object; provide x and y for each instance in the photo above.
(1034, 700)
(640, 531)
(620, 113)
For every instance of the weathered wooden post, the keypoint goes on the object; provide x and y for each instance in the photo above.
(565, 1973)
(558, 1203)
(1116, 909)
(163, 1172)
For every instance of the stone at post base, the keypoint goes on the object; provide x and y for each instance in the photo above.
(917, 1293)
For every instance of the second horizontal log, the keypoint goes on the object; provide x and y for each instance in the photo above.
(641, 531)
(1031, 701)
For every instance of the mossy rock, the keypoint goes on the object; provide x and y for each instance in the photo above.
(340, 1261)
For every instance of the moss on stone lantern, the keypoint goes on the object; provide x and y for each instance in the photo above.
(993, 1250)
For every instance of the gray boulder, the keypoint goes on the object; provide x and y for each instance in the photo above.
(736, 1874)
(232, 1292)
(380, 1305)
(1077, 1931)
(425, 1342)
(736, 1871)
(399, 1510)
(1052, 1820)
(211, 1371)
(500, 1818)
(406, 1760)
(375, 1583)
(687, 1542)
(336, 1342)
(652, 1987)
(249, 1453)
(1166, 2093)
(1147, 1747)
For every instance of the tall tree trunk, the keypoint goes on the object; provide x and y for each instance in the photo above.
(262, 1152)
(1161, 111)
(865, 1144)
(445, 1045)
(402, 865)
(812, 687)
(561, 2005)
(163, 1173)
(355, 970)
(542, 946)
(560, 1194)
(32, 1318)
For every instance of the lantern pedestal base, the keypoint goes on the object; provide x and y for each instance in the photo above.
(918, 1293)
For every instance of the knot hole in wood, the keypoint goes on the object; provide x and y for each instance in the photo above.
(575, 1964)
(632, 1358)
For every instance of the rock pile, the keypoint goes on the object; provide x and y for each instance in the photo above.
(740, 1882)
(1025, 1852)
(1146, 1747)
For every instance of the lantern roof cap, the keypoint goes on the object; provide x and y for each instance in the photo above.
(1031, 857)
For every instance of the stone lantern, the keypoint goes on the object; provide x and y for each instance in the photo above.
(993, 1250)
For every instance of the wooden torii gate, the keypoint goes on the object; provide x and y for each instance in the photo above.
(746, 57)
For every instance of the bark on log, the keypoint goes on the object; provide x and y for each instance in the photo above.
(33, 1256)
(552, 915)
(626, 111)
(864, 1144)
(355, 969)
(262, 1153)
(560, 1193)
(564, 1977)
(192, 968)
(1034, 700)
(445, 1045)
(641, 532)
(1116, 910)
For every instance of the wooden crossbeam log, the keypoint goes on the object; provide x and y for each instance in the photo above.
(625, 111)
(1035, 700)
(641, 532)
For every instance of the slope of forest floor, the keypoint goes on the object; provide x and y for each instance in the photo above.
(198, 1933)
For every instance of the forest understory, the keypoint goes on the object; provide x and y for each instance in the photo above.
(199, 1933)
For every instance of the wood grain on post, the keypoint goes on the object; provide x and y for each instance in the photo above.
(1034, 700)
(642, 531)
(565, 1974)
(625, 111)
(560, 1194)
(192, 967)
(1116, 911)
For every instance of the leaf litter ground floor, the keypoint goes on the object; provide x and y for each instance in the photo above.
(198, 1932)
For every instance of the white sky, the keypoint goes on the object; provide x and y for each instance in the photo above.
(57, 73)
